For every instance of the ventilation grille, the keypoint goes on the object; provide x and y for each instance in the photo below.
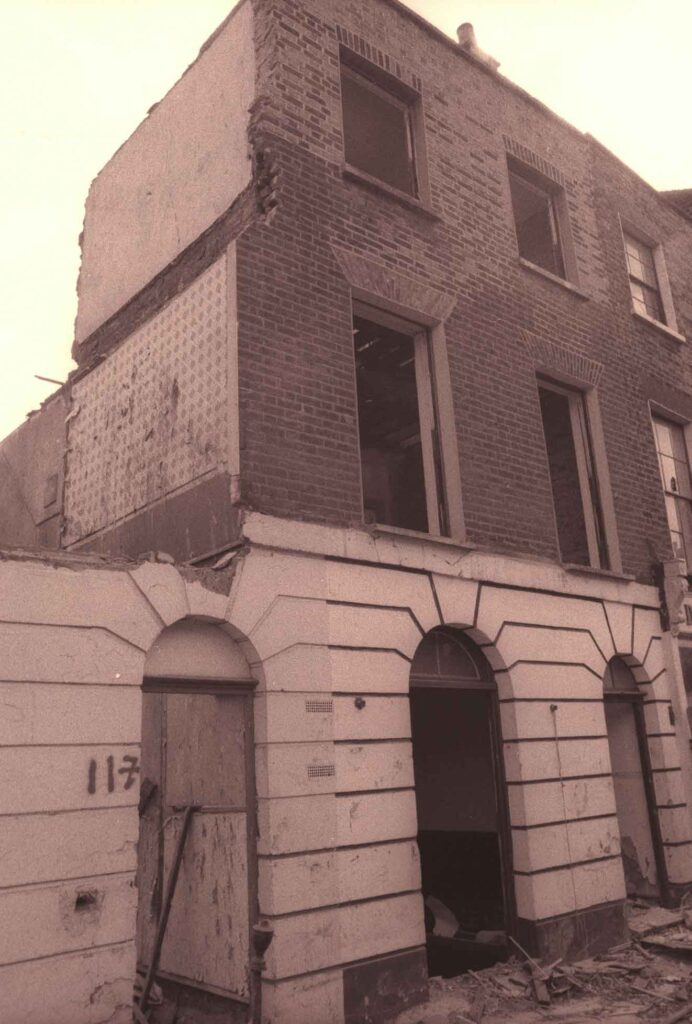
(319, 771)
(316, 707)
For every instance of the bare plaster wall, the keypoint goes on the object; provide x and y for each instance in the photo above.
(179, 171)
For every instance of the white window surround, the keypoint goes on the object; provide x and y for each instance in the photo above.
(660, 412)
(670, 325)
(573, 388)
(373, 306)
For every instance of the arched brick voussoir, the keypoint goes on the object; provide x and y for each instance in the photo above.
(646, 628)
(499, 606)
(456, 598)
(371, 585)
(288, 621)
(164, 588)
(365, 626)
(520, 642)
(42, 594)
(263, 577)
(620, 621)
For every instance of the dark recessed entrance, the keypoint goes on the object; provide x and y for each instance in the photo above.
(462, 834)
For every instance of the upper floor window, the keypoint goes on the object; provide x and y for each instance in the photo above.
(644, 285)
(674, 463)
(379, 121)
(538, 218)
(576, 498)
(397, 420)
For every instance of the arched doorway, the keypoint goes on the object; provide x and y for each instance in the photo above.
(197, 751)
(463, 835)
(640, 841)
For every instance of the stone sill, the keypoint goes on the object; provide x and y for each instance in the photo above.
(592, 570)
(663, 328)
(567, 285)
(361, 178)
(380, 529)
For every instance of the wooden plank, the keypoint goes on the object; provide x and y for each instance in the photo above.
(205, 759)
(43, 920)
(36, 713)
(47, 847)
(150, 848)
(88, 988)
(207, 936)
(66, 778)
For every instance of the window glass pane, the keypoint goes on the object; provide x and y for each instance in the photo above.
(685, 519)
(682, 479)
(377, 130)
(672, 511)
(652, 304)
(564, 477)
(388, 418)
(536, 225)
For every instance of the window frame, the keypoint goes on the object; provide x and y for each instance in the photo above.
(592, 472)
(669, 322)
(403, 96)
(435, 458)
(685, 429)
(559, 218)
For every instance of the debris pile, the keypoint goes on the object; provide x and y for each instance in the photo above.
(647, 979)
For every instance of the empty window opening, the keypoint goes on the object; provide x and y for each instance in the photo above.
(536, 218)
(644, 284)
(462, 835)
(578, 514)
(378, 130)
(674, 464)
(631, 781)
(399, 449)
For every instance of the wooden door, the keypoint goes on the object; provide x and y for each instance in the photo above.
(196, 750)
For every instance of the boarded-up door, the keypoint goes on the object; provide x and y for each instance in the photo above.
(195, 750)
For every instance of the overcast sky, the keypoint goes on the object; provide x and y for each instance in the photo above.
(77, 76)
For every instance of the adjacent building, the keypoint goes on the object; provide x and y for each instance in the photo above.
(392, 364)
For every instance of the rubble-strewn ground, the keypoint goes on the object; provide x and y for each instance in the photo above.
(645, 981)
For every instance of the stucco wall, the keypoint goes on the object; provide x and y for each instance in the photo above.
(73, 637)
(323, 617)
(179, 171)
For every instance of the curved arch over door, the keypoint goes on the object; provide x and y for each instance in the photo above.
(198, 751)
(463, 833)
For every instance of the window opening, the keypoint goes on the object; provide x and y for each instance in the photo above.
(578, 513)
(399, 445)
(462, 830)
(378, 131)
(536, 219)
(644, 285)
(674, 464)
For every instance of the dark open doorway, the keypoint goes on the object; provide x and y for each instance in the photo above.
(462, 832)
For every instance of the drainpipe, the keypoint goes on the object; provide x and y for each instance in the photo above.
(262, 935)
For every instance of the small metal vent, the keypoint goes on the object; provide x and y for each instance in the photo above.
(318, 771)
(315, 707)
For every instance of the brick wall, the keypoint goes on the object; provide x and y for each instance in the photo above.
(295, 331)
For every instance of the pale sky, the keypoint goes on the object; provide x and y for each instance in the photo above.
(77, 76)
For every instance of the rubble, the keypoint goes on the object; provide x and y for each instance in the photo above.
(647, 980)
